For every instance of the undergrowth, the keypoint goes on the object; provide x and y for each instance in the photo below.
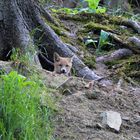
(21, 115)
(92, 6)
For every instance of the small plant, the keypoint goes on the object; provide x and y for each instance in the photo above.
(89, 41)
(104, 42)
(91, 8)
(93, 4)
(104, 37)
(17, 56)
(21, 115)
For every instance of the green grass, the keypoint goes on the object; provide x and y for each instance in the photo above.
(21, 115)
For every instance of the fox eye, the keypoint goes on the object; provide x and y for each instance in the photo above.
(60, 65)
(67, 65)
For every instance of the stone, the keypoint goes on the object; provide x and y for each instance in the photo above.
(136, 138)
(112, 119)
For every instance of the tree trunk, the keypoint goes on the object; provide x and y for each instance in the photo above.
(20, 18)
(16, 22)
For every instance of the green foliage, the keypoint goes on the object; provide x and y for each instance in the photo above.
(104, 42)
(100, 9)
(16, 53)
(21, 115)
(18, 56)
(26, 57)
(93, 4)
(90, 41)
(66, 10)
(92, 8)
(104, 37)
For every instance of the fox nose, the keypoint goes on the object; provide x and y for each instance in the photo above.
(63, 71)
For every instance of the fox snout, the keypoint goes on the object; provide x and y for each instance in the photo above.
(63, 70)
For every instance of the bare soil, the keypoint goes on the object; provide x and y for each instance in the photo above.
(81, 106)
(80, 110)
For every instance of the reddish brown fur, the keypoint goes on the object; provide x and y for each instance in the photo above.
(62, 65)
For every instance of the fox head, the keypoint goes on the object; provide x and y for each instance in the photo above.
(62, 65)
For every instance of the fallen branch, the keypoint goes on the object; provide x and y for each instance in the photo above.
(135, 42)
(131, 43)
(133, 24)
(119, 54)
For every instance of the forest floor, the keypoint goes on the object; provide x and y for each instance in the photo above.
(83, 101)
(81, 108)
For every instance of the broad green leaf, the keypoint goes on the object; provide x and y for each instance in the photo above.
(89, 41)
(101, 10)
(93, 3)
(103, 39)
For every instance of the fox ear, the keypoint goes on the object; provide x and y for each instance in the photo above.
(56, 57)
(71, 59)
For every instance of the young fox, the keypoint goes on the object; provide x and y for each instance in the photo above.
(62, 65)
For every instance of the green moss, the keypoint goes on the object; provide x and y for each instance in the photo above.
(86, 17)
(90, 61)
(134, 74)
(58, 30)
(96, 26)
(97, 22)
(66, 40)
(130, 67)
(72, 17)
(112, 63)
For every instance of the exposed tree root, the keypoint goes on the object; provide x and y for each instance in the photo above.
(121, 53)
(103, 18)
(133, 24)
(131, 43)
(58, 46)
(21, 18)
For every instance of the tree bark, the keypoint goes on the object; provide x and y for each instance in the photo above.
(18, 18)
(116, 55)
(15, 26)
(132, 43)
